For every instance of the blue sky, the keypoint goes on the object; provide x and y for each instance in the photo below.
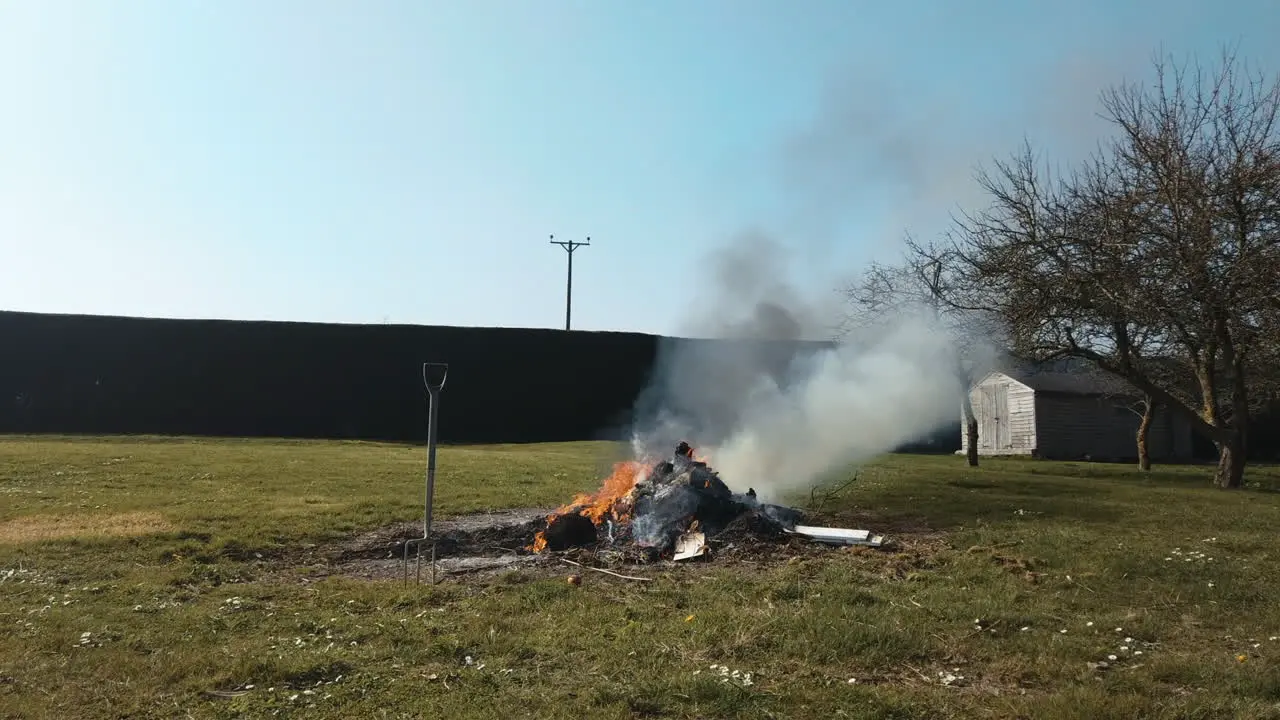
(406, 161)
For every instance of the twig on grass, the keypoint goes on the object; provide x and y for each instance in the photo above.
(815, 504)
(1073, 581)
(981, 630)
(928, 611)
(924, 677)
(225, 693)
(606, 572)
(989, 548)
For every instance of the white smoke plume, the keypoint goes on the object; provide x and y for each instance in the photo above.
(773, 412)
(766, 395)
(856, 401)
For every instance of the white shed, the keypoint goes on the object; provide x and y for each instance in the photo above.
(1069, 416)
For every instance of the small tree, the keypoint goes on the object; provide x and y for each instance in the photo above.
(1144, 409)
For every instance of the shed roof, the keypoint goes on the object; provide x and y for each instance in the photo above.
(1080, 382)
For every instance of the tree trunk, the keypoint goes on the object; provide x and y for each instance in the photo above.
(970, 431)
(1231, 449)
(1230, 472)
(1144, 429)
(1240, 408)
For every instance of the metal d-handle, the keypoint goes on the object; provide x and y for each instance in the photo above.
(433, 377)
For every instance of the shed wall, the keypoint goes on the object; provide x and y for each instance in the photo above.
(1018, 436)
(1103, 428)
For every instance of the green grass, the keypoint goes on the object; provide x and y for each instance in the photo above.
(131, 586)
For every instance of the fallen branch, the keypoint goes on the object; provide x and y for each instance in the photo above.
(606, 572)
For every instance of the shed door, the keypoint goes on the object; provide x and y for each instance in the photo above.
(1004, 437)
(993, 408)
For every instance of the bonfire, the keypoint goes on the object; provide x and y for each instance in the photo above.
(667, 508)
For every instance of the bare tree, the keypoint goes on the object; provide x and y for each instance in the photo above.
(1159, 256)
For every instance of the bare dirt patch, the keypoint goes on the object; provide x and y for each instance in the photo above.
(479, 543)
(37, 528)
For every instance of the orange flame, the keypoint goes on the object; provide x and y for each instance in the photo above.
(611, 500)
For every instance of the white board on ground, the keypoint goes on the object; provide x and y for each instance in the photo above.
(838, 536)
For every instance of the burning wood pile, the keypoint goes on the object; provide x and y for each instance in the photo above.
(668, 510)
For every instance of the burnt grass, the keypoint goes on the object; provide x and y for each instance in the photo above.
(737, 528)
(471, 535)
(479, 545)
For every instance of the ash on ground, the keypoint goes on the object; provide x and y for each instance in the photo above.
(491, 542)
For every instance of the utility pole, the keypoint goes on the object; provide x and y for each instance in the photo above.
(569, 247)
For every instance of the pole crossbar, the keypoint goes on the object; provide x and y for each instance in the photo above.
(569, 246)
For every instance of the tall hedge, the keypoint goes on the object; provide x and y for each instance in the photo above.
(93, 374)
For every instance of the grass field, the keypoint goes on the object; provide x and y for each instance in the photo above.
(162, 578)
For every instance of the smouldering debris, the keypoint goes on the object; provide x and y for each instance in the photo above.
(690, 545)
(670, 508)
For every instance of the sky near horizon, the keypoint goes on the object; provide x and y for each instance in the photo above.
(405, 161)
